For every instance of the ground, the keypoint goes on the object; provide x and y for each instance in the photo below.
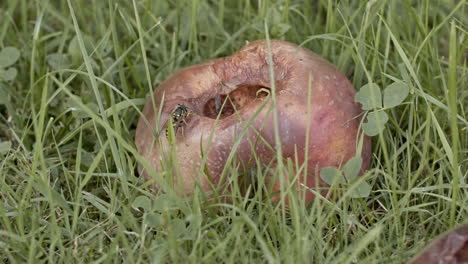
(75, 74)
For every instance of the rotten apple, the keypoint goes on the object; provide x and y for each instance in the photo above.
(224, 106)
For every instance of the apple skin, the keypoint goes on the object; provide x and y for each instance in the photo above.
(451, 247)
(334, 116)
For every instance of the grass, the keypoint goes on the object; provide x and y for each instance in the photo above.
(68, 181)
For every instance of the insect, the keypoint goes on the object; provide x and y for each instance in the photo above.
(177, 119)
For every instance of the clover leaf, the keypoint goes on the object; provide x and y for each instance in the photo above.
(9, 74)
(8, 57)
(58, 61)
(369, 96)
(395, 94)
(352, 167)
(362, 190)
(142, 202)
(153, 220)
(375, 123)
(331, 174)
(5, 147)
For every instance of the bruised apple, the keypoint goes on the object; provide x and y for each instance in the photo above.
(205, 112)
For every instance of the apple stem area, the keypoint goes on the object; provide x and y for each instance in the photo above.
(225, 105)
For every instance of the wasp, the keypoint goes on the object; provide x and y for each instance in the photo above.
(177, 118)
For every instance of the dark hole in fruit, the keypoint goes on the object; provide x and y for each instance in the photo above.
(226, 104)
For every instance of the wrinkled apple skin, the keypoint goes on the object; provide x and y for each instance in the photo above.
(334, 116)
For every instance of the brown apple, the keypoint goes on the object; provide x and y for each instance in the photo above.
(448, 248)
(241, 83)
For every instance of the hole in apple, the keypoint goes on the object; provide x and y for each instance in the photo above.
(227, 104)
